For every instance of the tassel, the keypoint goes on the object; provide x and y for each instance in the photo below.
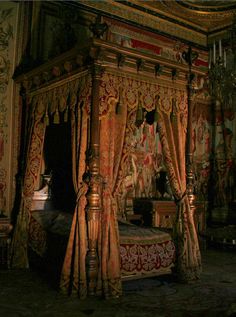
(155, 116)
(145, 128)
(118, 108)
(56, 118)
(66, 115)
(46, 118)
(119, 102)
(139, 114)
(156, 109)
(172, 114)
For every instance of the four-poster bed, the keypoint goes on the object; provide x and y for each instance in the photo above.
(100, 89)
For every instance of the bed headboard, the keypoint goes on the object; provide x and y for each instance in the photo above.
(42, 199)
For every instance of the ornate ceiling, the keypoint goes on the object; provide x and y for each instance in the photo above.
(206, 15)
(194, 21)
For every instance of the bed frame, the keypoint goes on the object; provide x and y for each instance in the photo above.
(132, 245)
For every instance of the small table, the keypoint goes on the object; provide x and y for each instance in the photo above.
(162, 213)
(5, 229)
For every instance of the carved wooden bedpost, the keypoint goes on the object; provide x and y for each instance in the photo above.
(94, 180)
(189, 56)
(189, 148)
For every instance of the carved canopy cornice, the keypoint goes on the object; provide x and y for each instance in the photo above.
(113, 58)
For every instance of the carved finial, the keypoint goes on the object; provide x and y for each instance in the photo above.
(190, 56)
(158, 69)
(120, 60)
(140, 65)
(98, 28)
(174, 73)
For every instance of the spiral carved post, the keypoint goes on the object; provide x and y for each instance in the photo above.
(94, 181)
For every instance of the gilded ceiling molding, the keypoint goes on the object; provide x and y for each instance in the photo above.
(207, 16)
(145, 19)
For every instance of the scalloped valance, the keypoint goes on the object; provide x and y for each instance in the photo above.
(59, 99)
(147, 95)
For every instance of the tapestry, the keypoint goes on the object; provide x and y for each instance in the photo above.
(214, 152)
(142, 172)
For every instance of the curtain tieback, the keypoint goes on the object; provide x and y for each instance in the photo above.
(82, 191)
(179, 201)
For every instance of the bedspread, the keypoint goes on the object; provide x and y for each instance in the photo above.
(142, 250)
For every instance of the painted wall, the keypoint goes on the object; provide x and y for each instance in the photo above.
(9, 15)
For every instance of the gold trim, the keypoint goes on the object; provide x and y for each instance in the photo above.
(146, 19)
(60, 82)
(130, 52)
(146, 79)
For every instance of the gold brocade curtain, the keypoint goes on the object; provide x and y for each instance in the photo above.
(172, 124)
(51, 105)
(73, 278)
(112, 135)
(73, 275)
(19, 246)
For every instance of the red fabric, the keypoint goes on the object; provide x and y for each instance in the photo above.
(146, 258)
(147, 46)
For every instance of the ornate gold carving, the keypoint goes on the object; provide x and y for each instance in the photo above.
(198, 15)
(143, 18)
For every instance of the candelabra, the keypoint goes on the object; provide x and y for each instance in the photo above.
(222, 71)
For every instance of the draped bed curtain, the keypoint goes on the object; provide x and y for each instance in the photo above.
(171, 106)
(55, 104)
(172, 126)
(112, 136)
(19, 253)
(73, 275)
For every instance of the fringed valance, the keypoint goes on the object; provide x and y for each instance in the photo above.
(137, 93)
(54, 103)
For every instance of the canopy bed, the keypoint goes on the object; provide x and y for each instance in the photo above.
(103, 91)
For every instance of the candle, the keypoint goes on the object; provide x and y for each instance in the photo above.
(220, 49)
(209, 59)
(225, 58)
(214, 53)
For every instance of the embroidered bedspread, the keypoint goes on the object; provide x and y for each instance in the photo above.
(143, 250)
